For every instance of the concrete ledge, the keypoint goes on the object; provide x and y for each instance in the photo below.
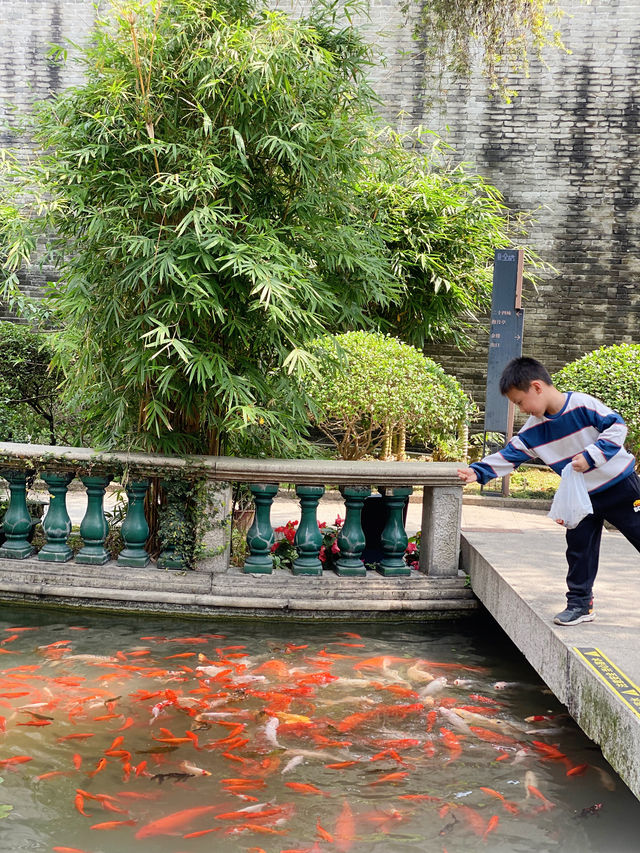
(199, 593)
(523, 593)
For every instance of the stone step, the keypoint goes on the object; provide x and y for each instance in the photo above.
(190, 604)
(199, 592)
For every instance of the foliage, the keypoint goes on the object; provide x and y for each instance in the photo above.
(612, 374)
(29, 407)
(482, 443)
(183, 515)
(412, 554)
(505, 31)
(373, 390)
(216, 194)
(441, 225)
(284, 551)
(199, 193)
(239, 547)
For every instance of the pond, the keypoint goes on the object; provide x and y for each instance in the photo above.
(170, 736)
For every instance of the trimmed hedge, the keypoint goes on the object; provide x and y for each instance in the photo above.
(372, 391)
(612, 374)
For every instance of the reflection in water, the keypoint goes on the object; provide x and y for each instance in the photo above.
(168, 736)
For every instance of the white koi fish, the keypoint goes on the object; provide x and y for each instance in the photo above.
(435, 686)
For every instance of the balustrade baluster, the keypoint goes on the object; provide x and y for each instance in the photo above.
(17, 523)
(135, 530)
(57, 524)
(260, 537)
(308, 539)
(94, 526)
(394, 536)
(351, 539)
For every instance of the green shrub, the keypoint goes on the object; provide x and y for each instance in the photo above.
(27, 388)
(612, 374)
(372, 391)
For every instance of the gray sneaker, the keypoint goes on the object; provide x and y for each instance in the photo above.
(574, 615)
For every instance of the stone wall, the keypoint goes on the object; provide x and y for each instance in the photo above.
(27, 29)
(566, 148)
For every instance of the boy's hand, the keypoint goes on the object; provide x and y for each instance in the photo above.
(579, 463)
(467, 475)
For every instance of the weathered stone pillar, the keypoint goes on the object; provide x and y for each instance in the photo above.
(440, 536)
(214, 533)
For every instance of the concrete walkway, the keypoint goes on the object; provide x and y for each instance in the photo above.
(516, 561)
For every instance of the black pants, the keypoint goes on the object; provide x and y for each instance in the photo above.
(583, 542)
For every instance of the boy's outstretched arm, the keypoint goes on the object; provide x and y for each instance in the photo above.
(467, 475)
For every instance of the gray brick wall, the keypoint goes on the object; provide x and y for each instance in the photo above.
(566, 148)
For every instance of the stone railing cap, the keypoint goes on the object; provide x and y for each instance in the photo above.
(225, 468)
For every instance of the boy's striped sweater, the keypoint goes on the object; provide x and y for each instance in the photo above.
(583, 425)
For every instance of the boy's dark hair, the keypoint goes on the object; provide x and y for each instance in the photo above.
(520, 373)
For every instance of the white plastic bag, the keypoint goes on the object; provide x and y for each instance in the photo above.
(571, 502)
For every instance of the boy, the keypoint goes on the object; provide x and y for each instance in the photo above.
(576, 429)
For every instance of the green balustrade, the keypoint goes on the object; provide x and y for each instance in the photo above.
(394, 536)
(17, 523)
(135, 530)
(308, 539)
(351, 540)
(260, 537)
(57, 524)
(94, 527)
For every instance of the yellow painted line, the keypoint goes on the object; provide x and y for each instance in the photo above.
(613, 677)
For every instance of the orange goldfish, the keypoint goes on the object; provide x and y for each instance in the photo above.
(303, 788)
(113, 824)
(79, 804)
(508, 805)
(390, 777)
(547, 804)
(17, 759)
(99, 766)
(67, 850)
(172, 824)
(493, 737)
(324, 835)
(491, 825)
(345, 830)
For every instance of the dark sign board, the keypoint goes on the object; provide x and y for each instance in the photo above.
(505, 343)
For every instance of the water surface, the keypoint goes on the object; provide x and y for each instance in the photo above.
(166, 735)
